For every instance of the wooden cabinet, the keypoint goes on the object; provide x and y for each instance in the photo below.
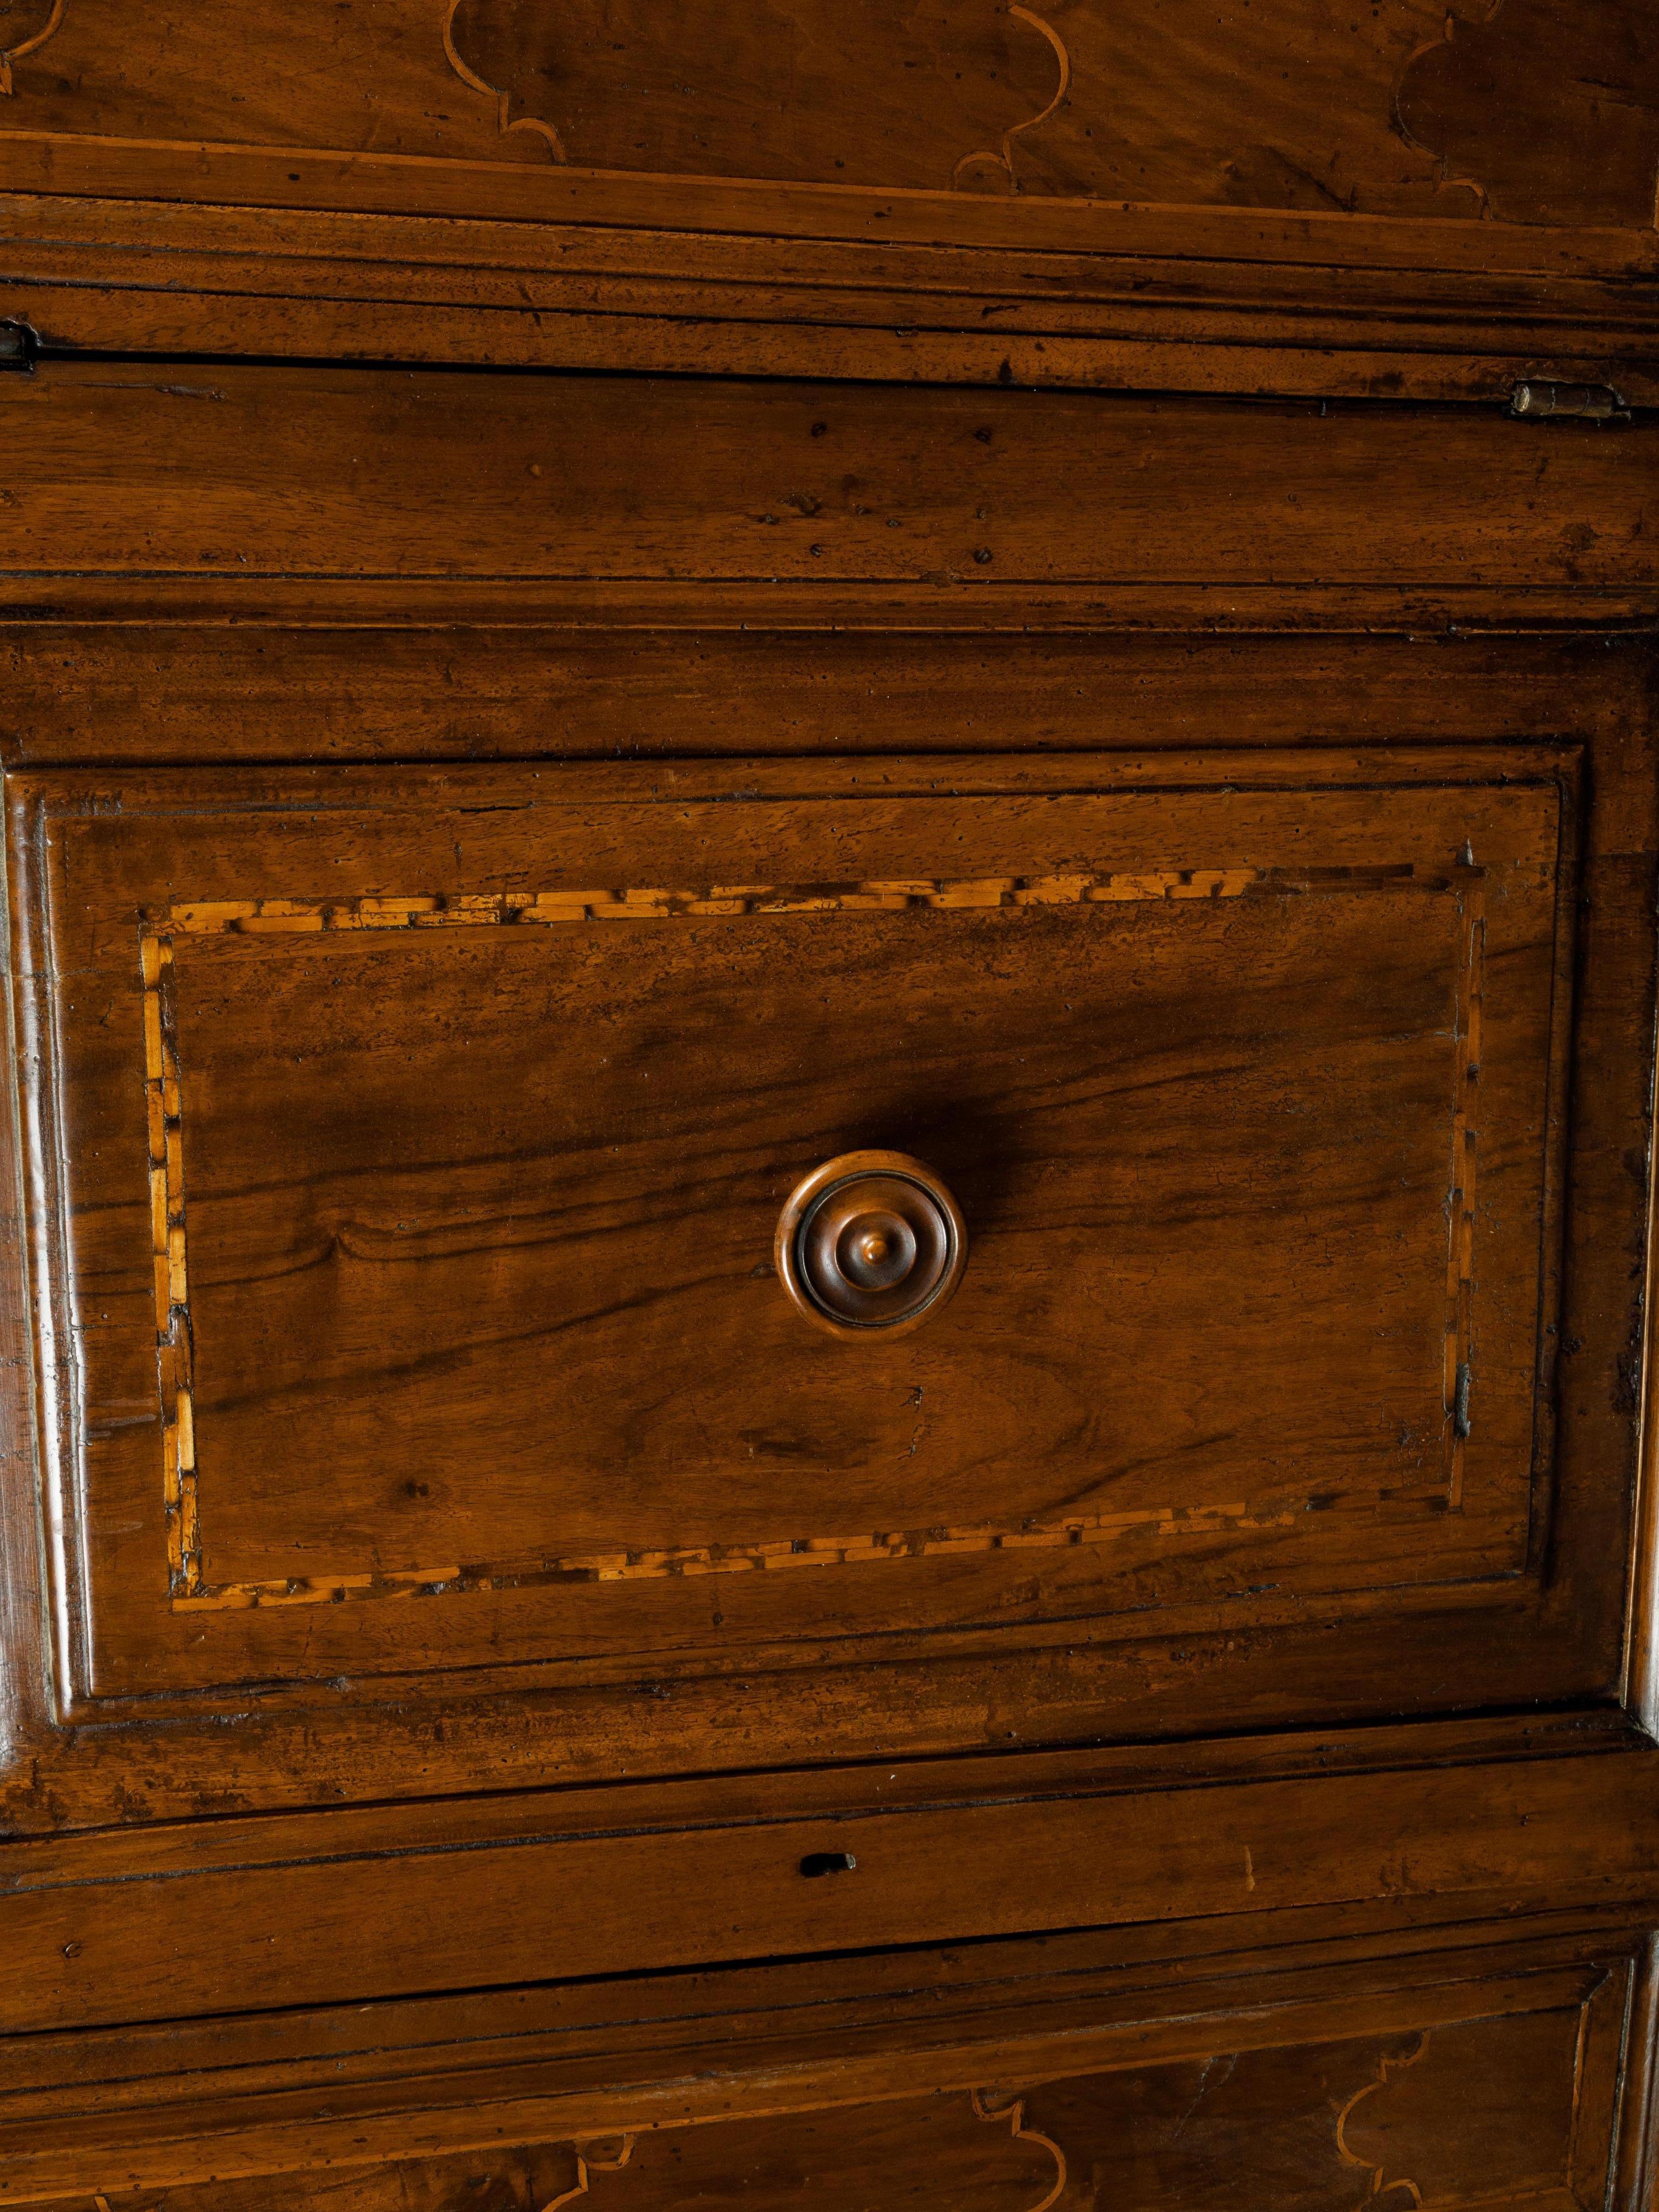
(826, 1183)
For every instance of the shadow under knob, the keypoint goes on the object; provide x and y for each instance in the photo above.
(871, 1243)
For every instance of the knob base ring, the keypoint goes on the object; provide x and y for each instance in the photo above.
(796, 1262)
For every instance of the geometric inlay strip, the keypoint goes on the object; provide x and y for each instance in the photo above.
(290, 917)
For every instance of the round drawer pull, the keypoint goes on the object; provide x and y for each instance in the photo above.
(871, 1243)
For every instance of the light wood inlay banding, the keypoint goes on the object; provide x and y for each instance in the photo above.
(280, 917)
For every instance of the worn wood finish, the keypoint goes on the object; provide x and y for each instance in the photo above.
(1302, 108)
(1075, 194)
(654, 683)
(493, 1708)
(123, 688)
(257, 1593)
(714, 282)
(1387, 976)
(124, 472)
(1327, 2124)
(648, 2055)
(105, 1930)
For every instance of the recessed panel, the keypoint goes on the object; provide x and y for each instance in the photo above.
(427, 1158)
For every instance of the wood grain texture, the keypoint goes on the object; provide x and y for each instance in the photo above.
(917, 1446)
(131, 475)
(964, 2030)
(1294, 109)
(1447, 2115)
(628, 1880)
(1073, 99)
(528, 910)
(415, 1744)
(172, 243)
(395, 919)
(643, 685)
(1562, 79)
(544, 1729)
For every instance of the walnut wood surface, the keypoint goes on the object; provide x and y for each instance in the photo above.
(1537, 115)
(968, 1474)
(105, 1931)
(1040, 195)
(411, 771)
(1454, 2111)
(611, 2060)
(690, 278)
(687, 678)
(389, 480)
(1556, 1638)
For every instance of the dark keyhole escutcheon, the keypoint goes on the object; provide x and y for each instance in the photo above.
(817, 1863)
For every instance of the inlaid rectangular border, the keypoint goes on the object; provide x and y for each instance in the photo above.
(279, 917)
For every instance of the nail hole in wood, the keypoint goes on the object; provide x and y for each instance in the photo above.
(817, 1863)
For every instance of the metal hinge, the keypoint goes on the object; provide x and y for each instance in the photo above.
(1584, 403)
(1460, 1401)
(17, 346)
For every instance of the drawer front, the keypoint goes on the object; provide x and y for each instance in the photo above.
(409, 1150)
(1496, 2090)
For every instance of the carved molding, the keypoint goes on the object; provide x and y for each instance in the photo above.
(189, 1589)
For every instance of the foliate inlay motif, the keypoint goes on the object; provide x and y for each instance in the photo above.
(1383, 2184)
(1014, 2114)
(589, 2161)
(505, 119)
(12, 53)
(784, 90)
(1510, 95)
(1530, 111)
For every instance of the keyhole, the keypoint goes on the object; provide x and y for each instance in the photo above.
(817, 1863)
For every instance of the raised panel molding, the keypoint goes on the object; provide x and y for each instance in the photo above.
(506, 1192)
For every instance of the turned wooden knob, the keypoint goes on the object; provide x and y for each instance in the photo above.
(871, 1243)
